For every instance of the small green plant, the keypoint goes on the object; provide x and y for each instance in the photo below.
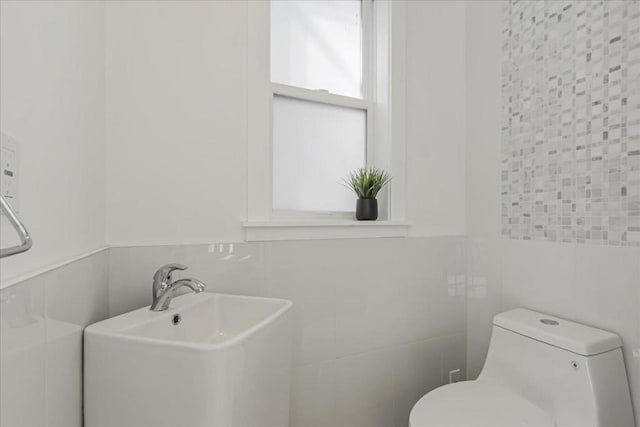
(367, 182)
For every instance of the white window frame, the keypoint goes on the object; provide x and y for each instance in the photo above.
(384, 32)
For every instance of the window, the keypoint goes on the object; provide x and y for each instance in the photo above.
(320, 62)
(319, 45)
(320, 104)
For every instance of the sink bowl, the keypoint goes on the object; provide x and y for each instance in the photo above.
(211, 360)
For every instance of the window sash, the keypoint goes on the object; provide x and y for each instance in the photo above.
(323, 97)
(320, 96)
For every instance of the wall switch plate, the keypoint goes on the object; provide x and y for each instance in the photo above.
(9, 176)
(454, 376)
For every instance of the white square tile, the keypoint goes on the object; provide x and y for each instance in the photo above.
(313, 395)
(484, 299)
(606, 287)
(414, 262)
(23, 355)
(64, 374)
(538, 276)
(364, 288)
(303, 272)
(418, 369)
(447, 307)
(78, 293)
(76, 296)
(364, 390)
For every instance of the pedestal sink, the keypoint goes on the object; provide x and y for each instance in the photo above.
(211, 360)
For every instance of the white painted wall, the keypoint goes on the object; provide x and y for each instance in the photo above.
(176, 120)
(483, 117)
(52, 102)
(436, 117)
(593, 284)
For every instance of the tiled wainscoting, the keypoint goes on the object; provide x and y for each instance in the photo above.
(378, 322)
(598, 285)
(41, 324)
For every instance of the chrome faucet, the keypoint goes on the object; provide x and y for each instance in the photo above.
(164, 287)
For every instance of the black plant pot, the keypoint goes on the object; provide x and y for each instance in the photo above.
(367, 209)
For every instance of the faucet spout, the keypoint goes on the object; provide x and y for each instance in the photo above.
(194, 284)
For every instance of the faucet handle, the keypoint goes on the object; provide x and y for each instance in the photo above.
(163, 275)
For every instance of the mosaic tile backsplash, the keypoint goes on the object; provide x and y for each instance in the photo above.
(571, 121)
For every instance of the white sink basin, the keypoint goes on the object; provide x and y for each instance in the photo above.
(225, 363)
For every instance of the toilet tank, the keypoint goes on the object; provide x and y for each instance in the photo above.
(574, 372)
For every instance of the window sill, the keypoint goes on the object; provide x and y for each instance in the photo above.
(322, 230)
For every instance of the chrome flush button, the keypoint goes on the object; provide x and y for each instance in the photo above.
(549, 322)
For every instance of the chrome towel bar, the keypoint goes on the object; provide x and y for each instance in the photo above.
(25, 239)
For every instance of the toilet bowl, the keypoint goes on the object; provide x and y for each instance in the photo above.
(540, 371)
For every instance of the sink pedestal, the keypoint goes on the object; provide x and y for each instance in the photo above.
(225, 363)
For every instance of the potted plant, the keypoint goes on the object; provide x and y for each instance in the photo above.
(366, 183)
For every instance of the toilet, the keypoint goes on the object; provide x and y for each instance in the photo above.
(540, 371)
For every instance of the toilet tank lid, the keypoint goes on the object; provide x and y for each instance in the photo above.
(571, 336)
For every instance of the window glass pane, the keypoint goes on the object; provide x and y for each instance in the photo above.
(317, 45)
(314, 147)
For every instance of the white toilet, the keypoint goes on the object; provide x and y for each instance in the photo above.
(540, 371)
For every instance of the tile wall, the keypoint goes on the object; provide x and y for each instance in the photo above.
(378, 322)
(571, 121)
(41, 324)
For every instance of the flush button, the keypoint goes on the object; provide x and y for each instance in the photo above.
(549, 322)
